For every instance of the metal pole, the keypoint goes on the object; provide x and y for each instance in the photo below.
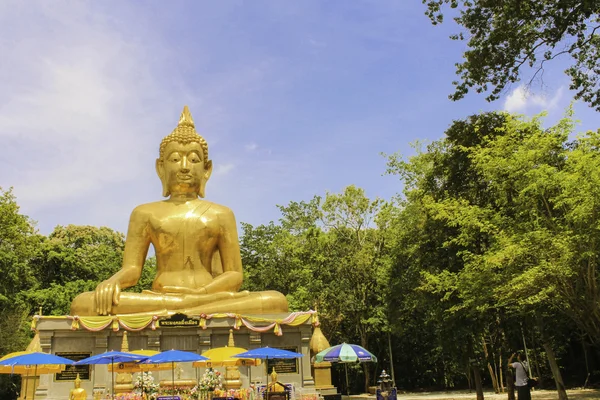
(391, 360)
(525, 348)
(34, 376)
(26, 383)
(347, 385)
(112, 363)
(173, 378)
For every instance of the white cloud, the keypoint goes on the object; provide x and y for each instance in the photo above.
(68, 97)
(521, 99)
(223, 169)
(251, 147)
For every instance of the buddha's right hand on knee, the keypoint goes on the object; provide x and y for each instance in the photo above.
(106, 295)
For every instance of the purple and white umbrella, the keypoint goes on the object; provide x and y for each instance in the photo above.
(345, 353)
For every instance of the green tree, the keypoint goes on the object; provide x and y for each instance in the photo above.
(72, 260)
(19, 244)
(506, 36)
(496, 236)
(330, 254)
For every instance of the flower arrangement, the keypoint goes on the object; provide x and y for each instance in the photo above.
(145, 381)
(211, 380)
(126, 396)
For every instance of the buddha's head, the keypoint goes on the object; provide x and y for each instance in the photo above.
(77, 382)
(183, 165)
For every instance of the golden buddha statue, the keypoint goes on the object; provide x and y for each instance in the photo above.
(77, 393)
(199, 267)
(275, 385)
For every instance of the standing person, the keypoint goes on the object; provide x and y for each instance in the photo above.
(520, 376)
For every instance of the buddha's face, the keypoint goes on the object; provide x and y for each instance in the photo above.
(183, 170)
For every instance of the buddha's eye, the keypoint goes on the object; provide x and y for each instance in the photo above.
(174, 157)
(194, 158)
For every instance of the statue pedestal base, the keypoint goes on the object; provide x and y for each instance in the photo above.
(68, 337)
(232, 378)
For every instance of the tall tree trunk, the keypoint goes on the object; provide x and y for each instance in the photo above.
(477, 378)
(560, 386)
(587, 366)
(476, 371)
(363, 343)
(468, 373)
(535, 360)
(391, 360)
(500, 370)
(508, 373)
(489, 366)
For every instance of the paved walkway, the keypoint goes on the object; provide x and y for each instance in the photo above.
(575, 394)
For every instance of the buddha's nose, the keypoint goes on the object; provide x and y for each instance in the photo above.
(185, 165)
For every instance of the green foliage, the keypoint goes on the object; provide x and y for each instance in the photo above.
(81, 252)
(72, 260)
(330, 254)
(18, 247)
(504, 36)
(148, 274)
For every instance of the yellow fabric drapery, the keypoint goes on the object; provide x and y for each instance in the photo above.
(137, 323)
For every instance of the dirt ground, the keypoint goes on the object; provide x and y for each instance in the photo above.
(574, 394)
(536, 395)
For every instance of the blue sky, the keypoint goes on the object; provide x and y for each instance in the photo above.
(295, 98)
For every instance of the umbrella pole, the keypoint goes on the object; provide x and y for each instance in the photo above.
(347, 387)
(26, 383)
(34, 376)
(267, 375)
(173, 377)
(112, 362)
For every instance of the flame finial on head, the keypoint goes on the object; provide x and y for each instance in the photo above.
(186, 118)
(184, 133)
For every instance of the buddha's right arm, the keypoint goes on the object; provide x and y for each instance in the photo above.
(136, 248)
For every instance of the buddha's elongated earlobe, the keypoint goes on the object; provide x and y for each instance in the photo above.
(160, 170)
(207, 172)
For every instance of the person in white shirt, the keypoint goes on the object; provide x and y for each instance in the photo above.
(520, 376)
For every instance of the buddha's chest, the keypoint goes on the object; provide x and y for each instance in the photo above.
(183, 225)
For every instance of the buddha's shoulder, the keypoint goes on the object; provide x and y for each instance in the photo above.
(164, 206)
(217, 209)
(148, 208)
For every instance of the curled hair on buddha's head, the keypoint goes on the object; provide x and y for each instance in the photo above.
(185, 133)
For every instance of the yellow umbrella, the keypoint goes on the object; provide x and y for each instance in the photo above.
(223, 357)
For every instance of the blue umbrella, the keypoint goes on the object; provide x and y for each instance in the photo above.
(35, 358)
(111, 357)
(345, 353)
(173, 356)
(268, 352)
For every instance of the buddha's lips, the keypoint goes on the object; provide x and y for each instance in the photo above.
(184, 177)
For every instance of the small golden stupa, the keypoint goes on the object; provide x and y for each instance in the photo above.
(322, 370)
(124, 380)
